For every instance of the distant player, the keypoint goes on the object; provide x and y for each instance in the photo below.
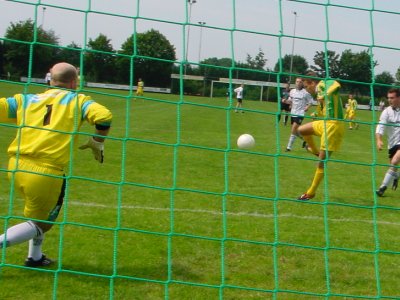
(284, 104)
(300, 101)
(330, 129)
(140, 86)
(351, 112)
(371, 104)
(382, 104)
(390, 122)
(78, 82)
(239, 98)
(228, 93)
(47, 78)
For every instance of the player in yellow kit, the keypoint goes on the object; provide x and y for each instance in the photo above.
(140, 86)
(330, 129)
(47, 123)
(351, 111)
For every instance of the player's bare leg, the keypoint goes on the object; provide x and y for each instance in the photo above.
(293, 135)
(395, 161)
(390, 176)
(307, 132)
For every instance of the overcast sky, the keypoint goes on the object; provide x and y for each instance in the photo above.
(234, 28)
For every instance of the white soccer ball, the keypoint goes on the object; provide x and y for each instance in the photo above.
(246, 141)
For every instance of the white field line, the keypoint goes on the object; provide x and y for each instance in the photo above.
(218, 213)
(236, 214)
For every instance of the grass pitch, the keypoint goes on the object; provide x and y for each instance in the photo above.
(178, 212)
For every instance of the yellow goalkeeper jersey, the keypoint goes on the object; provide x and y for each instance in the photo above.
(47, 123)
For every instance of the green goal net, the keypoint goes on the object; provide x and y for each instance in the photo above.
(177, 211)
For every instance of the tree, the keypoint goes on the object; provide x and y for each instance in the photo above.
(100, 60)
(250, 69)
(19, 51)
(71, 54)
(258, 62)
(383, 81)
(333, 61)
(299, 66)
(2, 71)
(220, 67)
(398, 76)
(152, 58)
(357, 67)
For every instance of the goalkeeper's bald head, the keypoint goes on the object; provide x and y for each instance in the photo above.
(64, 75)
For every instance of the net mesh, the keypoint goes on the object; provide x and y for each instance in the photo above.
(175, 216)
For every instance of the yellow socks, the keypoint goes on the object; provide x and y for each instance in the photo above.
(319, 175)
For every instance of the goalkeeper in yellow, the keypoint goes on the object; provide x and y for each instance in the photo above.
(47, 124)
(329, 127)
(351, 109)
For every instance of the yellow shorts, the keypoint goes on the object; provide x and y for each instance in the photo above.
(43, 194)
(331, 133)
(139, 91)
(351, 114)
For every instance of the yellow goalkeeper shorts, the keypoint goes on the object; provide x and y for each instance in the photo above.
(331, 133)
(43, 194)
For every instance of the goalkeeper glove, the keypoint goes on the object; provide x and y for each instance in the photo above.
(97, 148)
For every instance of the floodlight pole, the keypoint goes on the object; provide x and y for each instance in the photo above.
(190, 2)
(44, 10)
(293, 39)
(201, 37)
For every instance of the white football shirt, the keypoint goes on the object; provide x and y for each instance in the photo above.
(390, 121)
(300, 99)
(239, 92)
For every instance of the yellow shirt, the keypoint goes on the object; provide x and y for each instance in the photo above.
(352, 104)
(47, 123)
(329, 97)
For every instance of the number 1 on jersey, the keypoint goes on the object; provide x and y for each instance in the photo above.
(47, 116)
